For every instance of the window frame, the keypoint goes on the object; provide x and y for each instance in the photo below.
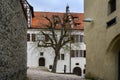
(33, 37)
(111, 6)
(28, 36)
(62, 56)
(81, 38)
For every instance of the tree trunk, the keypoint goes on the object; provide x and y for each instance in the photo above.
(55, 62)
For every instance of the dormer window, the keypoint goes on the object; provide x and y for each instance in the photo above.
(77, 24)
(56, 20)
(75, 18)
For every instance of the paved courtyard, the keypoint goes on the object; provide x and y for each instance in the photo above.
(40, 74)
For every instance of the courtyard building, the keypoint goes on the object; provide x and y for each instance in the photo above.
(72, 58)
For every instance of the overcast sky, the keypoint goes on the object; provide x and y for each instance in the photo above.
(57, 5)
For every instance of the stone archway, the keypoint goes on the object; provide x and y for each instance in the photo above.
(41, 61)
(119, 65)
(77, 71)
(113, 52)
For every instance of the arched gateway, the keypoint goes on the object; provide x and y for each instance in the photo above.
(114, 52)
(41, 61)
(77, 71)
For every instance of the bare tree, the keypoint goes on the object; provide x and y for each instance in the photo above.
(54, 41)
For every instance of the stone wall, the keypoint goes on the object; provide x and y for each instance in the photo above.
(102, 41)
(13, 27)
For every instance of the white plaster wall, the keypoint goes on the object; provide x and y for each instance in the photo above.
(61, 63)
(33, 54)
(82, 63)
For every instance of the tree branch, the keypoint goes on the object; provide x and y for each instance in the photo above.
(49, 38)
(65, 42)
(51, 28)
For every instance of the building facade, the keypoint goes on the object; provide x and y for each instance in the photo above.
(40, 56)
(102, 37)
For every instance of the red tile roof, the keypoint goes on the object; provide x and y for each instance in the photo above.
(38, 21)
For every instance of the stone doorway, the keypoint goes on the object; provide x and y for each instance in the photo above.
(113, 59)
(41, 61)
(77, 71)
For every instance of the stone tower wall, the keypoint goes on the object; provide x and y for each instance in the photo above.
(13, 27)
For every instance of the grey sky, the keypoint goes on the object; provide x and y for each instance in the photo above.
(57, 5)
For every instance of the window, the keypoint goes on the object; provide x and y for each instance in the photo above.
(111, 6)
(111, 22)
(81, 53)
(28, 37)
(33, 37)
(62, 56)
(46, 38)
(50, 66)
(81, 38)
(75, 18)
(78, 53)
(76, 63)
(75, 38)
(41, 53)
(56, 20)
(72, 53)
(40, 37)
(84, 71)
(77, 24)
(84, 53)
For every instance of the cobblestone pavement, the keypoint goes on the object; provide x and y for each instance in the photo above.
(38, 74)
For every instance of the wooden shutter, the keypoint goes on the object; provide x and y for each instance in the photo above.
(33, 37)
(72, 53)
(81, 38)
(28, 37)
(84, 53)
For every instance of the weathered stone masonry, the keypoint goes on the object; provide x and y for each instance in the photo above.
(13, 27)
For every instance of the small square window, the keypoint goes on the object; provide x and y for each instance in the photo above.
(111, 22)
(76, 63)
(84, 53)
(84, 71)
(81, 38)
(62, 56)
(33, 37)
(50, 66)
(41, 53)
